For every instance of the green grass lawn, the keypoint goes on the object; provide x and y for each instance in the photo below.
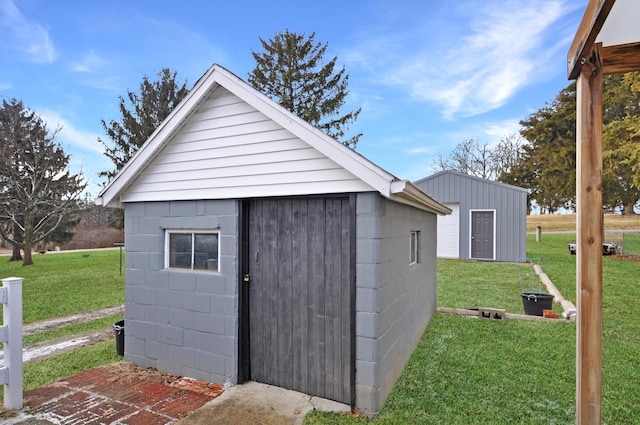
(464, 370)
(476, 371)
(66, 283)
(631, 243)
(62, 284)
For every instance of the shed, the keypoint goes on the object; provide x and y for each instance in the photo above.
(258, 248)
(488, 219)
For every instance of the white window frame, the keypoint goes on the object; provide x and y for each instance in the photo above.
(414, 247)
(192, 232)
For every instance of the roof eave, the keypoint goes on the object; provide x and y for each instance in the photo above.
(110, 195)
(405, 192)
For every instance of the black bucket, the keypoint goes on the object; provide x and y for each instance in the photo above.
(535, 303)
(118, 328)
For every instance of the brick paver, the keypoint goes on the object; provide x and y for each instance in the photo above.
(119, 394)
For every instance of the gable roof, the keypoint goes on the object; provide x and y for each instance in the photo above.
(369, 176)
(470, 177)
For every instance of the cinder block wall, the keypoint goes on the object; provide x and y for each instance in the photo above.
(395, 300)
(184, 323)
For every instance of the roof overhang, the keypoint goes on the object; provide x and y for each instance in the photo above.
(405, 192)
(614, 24)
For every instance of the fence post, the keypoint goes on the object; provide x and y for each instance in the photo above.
(11, 373)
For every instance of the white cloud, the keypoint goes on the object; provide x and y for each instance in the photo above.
(90, 63)
(70, 134)
(499, 129)
(23, 35)
(477, 61)
(421, 150)
(498, 57)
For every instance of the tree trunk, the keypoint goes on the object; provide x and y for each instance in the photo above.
(27, 239)
(28, 259)
(15, 253)
(628, 209)
(15, 249)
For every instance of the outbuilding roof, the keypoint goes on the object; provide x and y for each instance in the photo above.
(443, 173)
(141, 178)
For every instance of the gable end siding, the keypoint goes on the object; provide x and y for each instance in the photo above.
(228, 149)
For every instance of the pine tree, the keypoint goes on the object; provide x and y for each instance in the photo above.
(38, 193)
(149, 108)
(292, 72)
(550, 155)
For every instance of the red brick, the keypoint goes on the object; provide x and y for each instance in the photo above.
(180, 404)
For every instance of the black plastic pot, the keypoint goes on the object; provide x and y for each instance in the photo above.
(118, 329)
(534, 304)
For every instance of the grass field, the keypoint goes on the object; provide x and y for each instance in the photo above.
(62, 284)
(66, 283)
(475, 371)
(463, 371)
(567, 222)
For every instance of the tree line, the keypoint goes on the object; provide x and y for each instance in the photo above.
(41, 199)
(542, 156)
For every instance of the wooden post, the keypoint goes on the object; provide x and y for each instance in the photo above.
(538, 234)
(589, 241)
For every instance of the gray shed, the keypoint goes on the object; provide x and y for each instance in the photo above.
(488, 219)
(258, 248)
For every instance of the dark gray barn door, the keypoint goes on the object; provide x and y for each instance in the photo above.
(482, 234)
(300, 295)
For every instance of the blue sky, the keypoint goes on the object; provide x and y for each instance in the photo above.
(427, 74)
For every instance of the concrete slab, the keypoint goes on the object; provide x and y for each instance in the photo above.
(124, 394)
(252, 403)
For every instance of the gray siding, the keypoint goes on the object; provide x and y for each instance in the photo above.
(509, 203)
(394, 300)
(184, 323)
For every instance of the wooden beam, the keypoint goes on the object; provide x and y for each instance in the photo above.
(589, 241)
(621, 58)
(590, 26)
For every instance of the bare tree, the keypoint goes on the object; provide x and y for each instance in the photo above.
(469, 157)
(508, 154)
(38, 193)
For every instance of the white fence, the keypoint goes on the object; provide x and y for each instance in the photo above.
(11, 336)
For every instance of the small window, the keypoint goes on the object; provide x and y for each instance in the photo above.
(413, 249)
(192, 250)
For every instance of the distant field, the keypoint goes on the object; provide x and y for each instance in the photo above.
(567, 222)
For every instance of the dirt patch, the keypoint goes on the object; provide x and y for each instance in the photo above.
(627, 257)
(244, 412)
(126, 373)
(58, 322)
(45, 349)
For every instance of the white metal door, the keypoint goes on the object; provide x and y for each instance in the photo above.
(449, 233)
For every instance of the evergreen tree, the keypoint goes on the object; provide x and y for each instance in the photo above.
(621, 142)
(292, 72)
(143, 113)
(548, 164)
(550, 156)
(38, 193)
(621, 169)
